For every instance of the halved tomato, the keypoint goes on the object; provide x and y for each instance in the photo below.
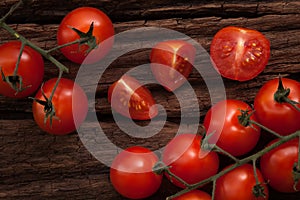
(172, 62)
(239, 53)
(131, 99)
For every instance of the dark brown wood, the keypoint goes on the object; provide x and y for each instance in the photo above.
(36, 165)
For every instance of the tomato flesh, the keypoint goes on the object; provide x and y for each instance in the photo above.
(172, 62)
(129, 98)
(239, 53)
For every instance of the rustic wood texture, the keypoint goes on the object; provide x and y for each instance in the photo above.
(36, 165)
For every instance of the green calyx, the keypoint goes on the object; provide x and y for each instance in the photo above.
(48, 108)
(281, 95)
(259, 191)
(87, 38)
(14, 81)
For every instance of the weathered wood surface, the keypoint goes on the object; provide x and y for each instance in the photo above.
(35, 165)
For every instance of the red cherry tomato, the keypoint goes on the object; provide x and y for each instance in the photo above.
(129, 98)
(239, 53)
(172, 62)
(230, 135)
(30, 71)
(131, 173)
(277, 166)
(81, 19)
(239, 184)
(70, 104)
(280, 117)
(194, 195)
(188, 161)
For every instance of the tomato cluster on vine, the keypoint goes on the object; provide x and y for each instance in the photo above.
(189, 160)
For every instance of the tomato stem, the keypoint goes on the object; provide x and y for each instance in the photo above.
(243, 161)
(67, 44)
(172, 175)
(33, 46)
(220, 150)
(265, 128)
(213, 190)
(12, 9)
(258, 189)
(281, 95)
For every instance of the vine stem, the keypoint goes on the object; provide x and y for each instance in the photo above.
(255, 171)
(43, 52)
(248, 159)
(12, 9)
(19, 59)
(168, 171)
(265, 128)
(218, 149)
(78, 41)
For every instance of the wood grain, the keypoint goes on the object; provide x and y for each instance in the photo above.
(36, 165)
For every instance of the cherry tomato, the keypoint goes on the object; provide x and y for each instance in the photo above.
(129, 98)
(172, 62)
(194, 195)
(279, 117)
(277, 166)
(70, 104)
(229, 133)
(239, 53)
(131, 173)
(30, 71)
(81, 19)
(188, 161)
(239, 184)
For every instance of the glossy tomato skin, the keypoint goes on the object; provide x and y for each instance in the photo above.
(227, 131)
(239, 53)
(172, 62)
(239, 183)
(31, 69)
(129, 98)
(280, 117)
(131, 173)
(277, 166)
(70, 103)
(188, 161)
(81, 19)
(194, 195)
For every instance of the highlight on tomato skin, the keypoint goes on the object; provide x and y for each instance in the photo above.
(187, 160)
(131, 173)
(131, 99)
(172, 62)
(194, 195)
(81, 19)
(278, 164)
(70, 103)
(280, 117)
(224, 128)
(30, 69)
(239, 183)
(239, 53)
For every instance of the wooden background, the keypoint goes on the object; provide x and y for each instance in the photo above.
(36, 165)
